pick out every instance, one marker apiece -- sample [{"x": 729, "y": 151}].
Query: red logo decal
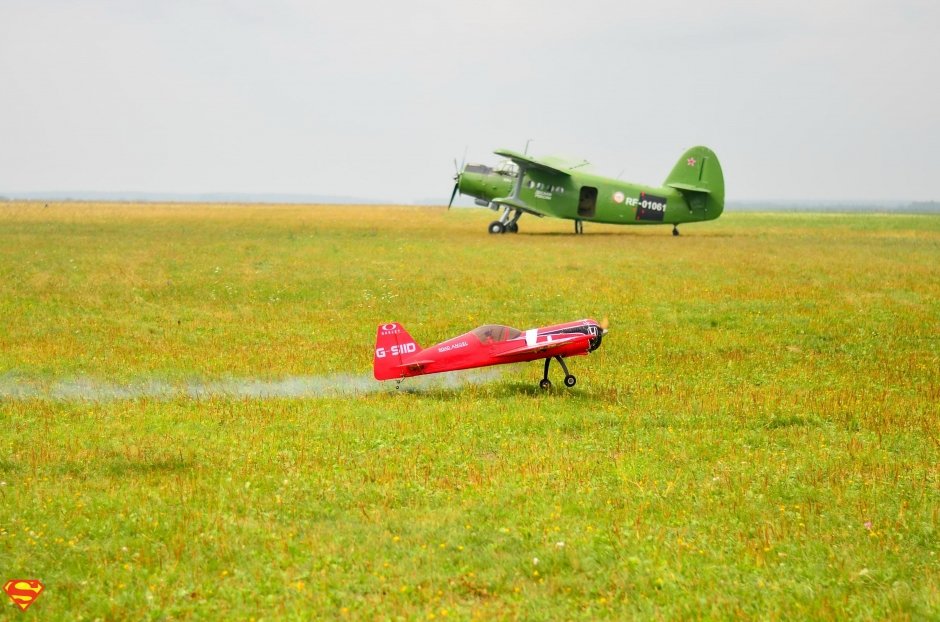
[
  {"x": 690, "y": 161},
  {"x": 23, "y": 592}
]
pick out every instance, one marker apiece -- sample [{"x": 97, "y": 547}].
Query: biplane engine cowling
[{"x": 483, "y": 183}]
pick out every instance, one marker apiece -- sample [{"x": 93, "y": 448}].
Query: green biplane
[{"x": 694, "y": 191}]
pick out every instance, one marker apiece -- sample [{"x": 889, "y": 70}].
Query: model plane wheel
[
  {"x": 675, "y": 230},
  {"x": 570, "y": 380},
  {"x": 512, "y": 228},
  {"x": 497, "y": 227},
  {"x": 545, "y": 384}
]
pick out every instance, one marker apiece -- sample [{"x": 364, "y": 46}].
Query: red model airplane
[{"x": 397, "y": 356}]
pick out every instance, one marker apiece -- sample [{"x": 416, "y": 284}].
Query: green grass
[{"x": 758, "y": 437}]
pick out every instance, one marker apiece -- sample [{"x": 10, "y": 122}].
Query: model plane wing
[
  {"x": 538, "y": 347},
  {"x": 525, "y": 161}
]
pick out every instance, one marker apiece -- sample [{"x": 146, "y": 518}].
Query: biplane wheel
[
  {"x": 675, "y": 230},
  {"x": 512, "y": 227},
  {"x": 545, "y": 384},
  {"x": 497, "y": 227},
  {"x": 570, "y": 381}
]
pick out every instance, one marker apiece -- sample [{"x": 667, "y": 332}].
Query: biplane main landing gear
[
  {"x": 546, "y": 384},
  {"x": 508, "y": 221}
]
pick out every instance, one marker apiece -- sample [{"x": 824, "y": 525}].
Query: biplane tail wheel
[
  {"x": 497, "y": 227},
  {"x": 570, "y": 381},
  {"x": 512, "y": 227},
  {"x": 545, "y": 384},
  {"x": 675, "y": 230}
]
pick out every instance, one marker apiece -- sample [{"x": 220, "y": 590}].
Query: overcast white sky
[{"x": 800, "y": 99}]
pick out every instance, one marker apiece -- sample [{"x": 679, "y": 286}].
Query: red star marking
[{"x": 690, "y": 161}]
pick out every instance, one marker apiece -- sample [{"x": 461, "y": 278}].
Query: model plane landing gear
[
  {"x": 546, "y": 384},
  {"x": 497, "y": 227},
  {"x": 512, "y": 227},
  {"x": 675, "y": 230},
  {"x": 578, "y": 227}
]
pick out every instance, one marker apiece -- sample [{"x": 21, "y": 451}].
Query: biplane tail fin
[
  {"x": 391, "y": 342},
  {"x": 697, "y": 175}
]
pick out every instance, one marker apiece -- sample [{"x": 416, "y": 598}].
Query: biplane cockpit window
[
  {"x": 494, "y": 333},
  {"x": 507, "y": 168}
]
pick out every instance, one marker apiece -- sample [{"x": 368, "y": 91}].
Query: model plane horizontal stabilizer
[{"x": 414, "y": 365}]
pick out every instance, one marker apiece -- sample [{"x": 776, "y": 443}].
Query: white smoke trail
[{"x": 14, "y": 387}]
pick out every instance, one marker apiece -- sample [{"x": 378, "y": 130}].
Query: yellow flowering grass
[{"x": 757, "y": 437}]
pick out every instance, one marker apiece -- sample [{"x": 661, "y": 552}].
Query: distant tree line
[{"x": 913, "y": 207}]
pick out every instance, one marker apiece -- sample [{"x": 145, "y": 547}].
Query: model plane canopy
[{"x": 495, "y": 333}]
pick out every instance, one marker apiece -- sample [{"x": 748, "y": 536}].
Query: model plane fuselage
[{"x": 398, "y": 356}]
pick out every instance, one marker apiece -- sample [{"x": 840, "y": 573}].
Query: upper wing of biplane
[
  {"x": 552, "y": 166},
  {"x": 524, "y": 161}
]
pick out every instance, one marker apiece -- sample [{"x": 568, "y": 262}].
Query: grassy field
[{"x": 758, "y": 437}]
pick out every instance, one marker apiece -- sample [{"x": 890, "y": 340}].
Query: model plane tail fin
[
  {"x": 697, "y": 175},
  {"x": 391, "y": 342}
]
